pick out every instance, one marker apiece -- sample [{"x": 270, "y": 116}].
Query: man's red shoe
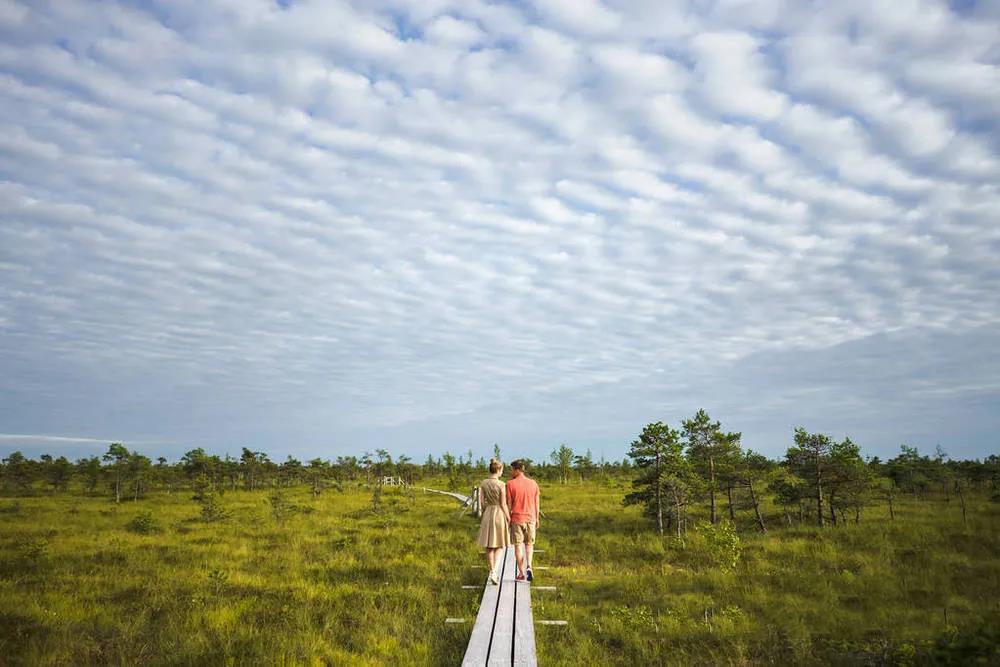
[{"x": 519, "y": 577}]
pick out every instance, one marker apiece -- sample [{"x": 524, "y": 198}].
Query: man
[{"x": 522, "y": 499}]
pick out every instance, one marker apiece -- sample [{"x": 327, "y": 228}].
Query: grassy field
[{"x": 83, "y": 582}]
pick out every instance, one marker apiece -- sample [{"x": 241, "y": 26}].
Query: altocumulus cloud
[{"x": 321, "y": 226}]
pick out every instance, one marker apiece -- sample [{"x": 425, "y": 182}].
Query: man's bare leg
[
  {"x": 519, "y": 555},
  {"x": 530, "y": 550}
]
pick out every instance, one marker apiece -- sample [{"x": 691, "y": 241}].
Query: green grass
[{"x": 82, "y": 581}]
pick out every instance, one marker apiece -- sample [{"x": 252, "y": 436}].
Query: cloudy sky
[{"x": 319, "y": 227}]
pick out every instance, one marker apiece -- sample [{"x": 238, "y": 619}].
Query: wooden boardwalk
[
  {"x": 504, "y": 633},
  {"x": 457, "y": 496}
]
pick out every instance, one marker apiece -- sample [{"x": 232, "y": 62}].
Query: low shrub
[{"x": 143, "y": 523}]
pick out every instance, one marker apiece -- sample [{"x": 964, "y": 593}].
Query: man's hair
[{"x": 517, "y": 464}]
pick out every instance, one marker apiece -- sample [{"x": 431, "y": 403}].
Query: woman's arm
[{"x": 503, "y": 504}]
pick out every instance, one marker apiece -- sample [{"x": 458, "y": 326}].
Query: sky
[{"x": 320, "y": 228}]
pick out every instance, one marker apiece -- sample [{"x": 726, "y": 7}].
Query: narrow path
[
  {"x": 457, "y": 496},
  {"x": 504, "y": 633}
]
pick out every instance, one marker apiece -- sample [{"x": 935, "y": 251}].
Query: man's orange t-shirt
[{"x": 522, "y": 499}]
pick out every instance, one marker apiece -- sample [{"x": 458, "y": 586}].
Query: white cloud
[
  {"x": 584, "y": 16},
  {"x": 641, "y": 71},
  {"x": 734, "y": 76},
  {"x": 454, "y": 32}
]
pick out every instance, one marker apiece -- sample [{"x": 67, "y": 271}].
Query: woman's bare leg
[{"x": 491, "y": 558}]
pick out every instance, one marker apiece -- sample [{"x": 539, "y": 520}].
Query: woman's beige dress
[{"x": 493, "y": 530}]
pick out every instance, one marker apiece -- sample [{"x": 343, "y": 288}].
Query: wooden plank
[
  {"x": 501, "y": 646},
  {"x": 524, "y": 627},
  {"x": 504, "y": 632},
  {"x": 478, "y": 650},
  {"x": 553, "y": 622}
]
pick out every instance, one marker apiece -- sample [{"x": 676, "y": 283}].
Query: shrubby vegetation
[{"x": 692, "y": 550}]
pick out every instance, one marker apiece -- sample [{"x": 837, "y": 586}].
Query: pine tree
[
  {"x": 810, "y": 460},
  {"x": 665, "y": 475},
  {"x": 713, "y": 453}
]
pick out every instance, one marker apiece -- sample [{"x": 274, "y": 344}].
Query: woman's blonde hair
[{"x": 495, "y": 466}]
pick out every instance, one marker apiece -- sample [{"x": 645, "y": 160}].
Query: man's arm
[{"x": 538, "y": 505}]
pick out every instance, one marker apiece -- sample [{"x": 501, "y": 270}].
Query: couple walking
[{"x": 510, "y": 513}]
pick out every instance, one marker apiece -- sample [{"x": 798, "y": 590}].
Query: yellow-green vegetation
[
  {"x": 353, "y": 577},
  {"x": 914, "y": 590}
]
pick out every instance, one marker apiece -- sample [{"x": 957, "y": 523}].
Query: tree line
[{"x": 819, "y": 480}]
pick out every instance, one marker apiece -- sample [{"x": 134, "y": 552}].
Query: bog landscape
[
  {"x": 282, "y": 280},
  {"x": 691, "y": 550}
]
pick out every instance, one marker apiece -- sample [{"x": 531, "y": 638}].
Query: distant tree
[
  {"x": 909, "y": 470},
  {"x": 117, "y": 456},
  {"x": 164, "y": 474},
  {"x": 730, "y": 458},
  {"x": 885, "y": 488},
  {"x": 44, "y": 467},
  {"x": 450, "y": 469},
  {"x": 347, "y": 468},
  {"x": 789, "y": 491},
  {"x": 847, "y": 479},
  {"x": 991, "y": 472},
  {"x": 584, "y": 465},
  {"x": 252, "y": 464},
  {"x": 90, "y": 470},
  {"x": 405, "y": 468},
  {"x": 959, "y": 489},
  {"x": 712, "y": 452},
  {"x": 562, "y": 459},
  {"x": 58, "y": 472},
  {"x": 810, "y": 460},
  {"x": 383, "y": 465},
  {"x": 17, "y": 473},
  {"x": 751, "y": 472},
  {"x": 268, "y": 469},
  {"x": 231, "y": 471},
  {"x": 665, "y": 475},
  {"x": 941, "y": 473},
  {"x": 208, "y": 470},
  {"x": 496, "y": 451},
  {"x": 290, "y": 472},
  {"x": 367, "y": 463},
  {"x": 851, "y": 481},
  {"x": 317, "y": 473},
  {"x": 138, "y": 469}
]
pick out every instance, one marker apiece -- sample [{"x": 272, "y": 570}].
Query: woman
[{"x": 494, "y": 533}]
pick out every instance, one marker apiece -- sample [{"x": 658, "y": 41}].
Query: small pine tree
[{"x": 281, "y": 507}]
